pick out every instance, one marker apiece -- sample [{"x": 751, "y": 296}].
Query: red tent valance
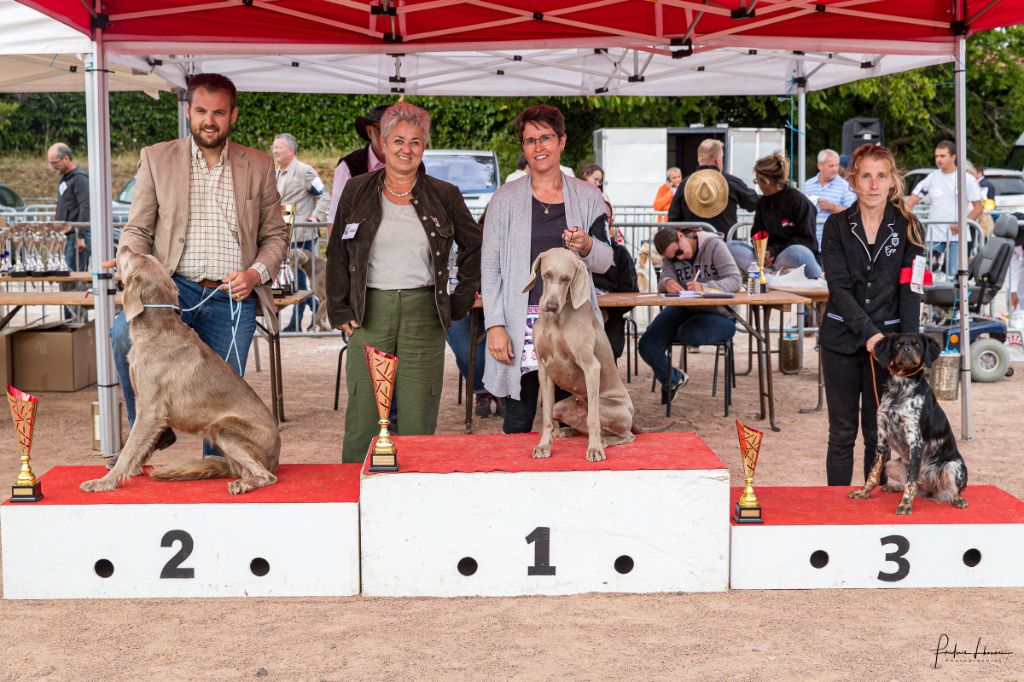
[{"x": 417, "y": 25}]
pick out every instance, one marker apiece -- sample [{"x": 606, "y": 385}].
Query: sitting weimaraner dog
[
  {"x": 573, "y": 352},
  {"x": 181, "y": 382}
]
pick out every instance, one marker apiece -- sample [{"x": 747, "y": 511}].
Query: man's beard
[{"x": 217, "y": 142}]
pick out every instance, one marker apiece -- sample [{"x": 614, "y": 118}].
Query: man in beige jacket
[{"x": 209, "y": 210}]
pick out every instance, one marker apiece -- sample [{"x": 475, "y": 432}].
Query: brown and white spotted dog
[{"x": 913, "y": 427}]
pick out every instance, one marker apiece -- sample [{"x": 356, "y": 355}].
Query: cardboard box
[
  {"x": 59, "y": 357},
  {"x": 6, "y": 373}
]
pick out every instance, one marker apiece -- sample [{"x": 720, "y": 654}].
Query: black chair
[
  {"x": 987, "y": 270},
  {"x": 723, "y": 349},
  {"x": 337, "y": 377}
]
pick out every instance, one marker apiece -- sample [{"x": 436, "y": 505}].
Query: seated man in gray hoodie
[{"x": 693, "y": 260}]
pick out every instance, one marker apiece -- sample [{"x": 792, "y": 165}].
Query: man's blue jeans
[
  {"x": 302, "y": 282},
  {"x": 686, "y": 325},
  {"x": 792, "y": 256},
  {"x": 458, "y": 340},
  {"x": 212, "y": 322},
  {"x": 77, "y": 261}
]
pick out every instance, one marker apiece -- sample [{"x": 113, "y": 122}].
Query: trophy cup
[
  {"x": 5, "y": 246},
  {"x": 760, "y": 241},
  {"x": 285, "y": 280},
  {"x": 19, "y": 250},
  {"x": 58, "y": 241},
  {"x": 23, "y": 408},
  {"x": 747, "y": 509},
  {"x": 383, "y": 454}
]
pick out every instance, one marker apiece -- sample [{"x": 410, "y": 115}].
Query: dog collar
[
  {"x": 900, "y": 374},
  {"x": 173, "y": 307}
]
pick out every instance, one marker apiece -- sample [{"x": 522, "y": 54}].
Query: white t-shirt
[{"x": 939, "y": 190}]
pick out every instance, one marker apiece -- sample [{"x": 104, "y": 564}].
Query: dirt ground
[{"x": 736, "y": 635}]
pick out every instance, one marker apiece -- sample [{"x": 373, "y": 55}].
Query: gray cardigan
[{"x": 505, "y": 265}]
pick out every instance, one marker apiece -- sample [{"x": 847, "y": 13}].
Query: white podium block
[
  {"x": 816, "y": 537},
  {"x": 298, "y": 537},
  {"x": 477, "y": 515}
]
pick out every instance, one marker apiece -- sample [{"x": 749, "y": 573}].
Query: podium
[
  {"x": 816, "y": 537},
  {"x": 298, "y": 537},
  {"x": 477, "y": 515}
]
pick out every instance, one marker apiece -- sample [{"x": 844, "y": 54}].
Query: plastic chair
[{"x": 723, "y": 349}]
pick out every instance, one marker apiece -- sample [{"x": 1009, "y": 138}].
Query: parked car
[
  {"x": 123, "y": 202},
  {"x": 10, "y": 200},
  {"x": 475, "y": 173}
]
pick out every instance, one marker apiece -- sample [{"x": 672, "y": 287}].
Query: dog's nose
[{"x": 552, "y": 306}]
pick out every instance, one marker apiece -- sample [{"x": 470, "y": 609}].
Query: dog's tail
[{"x": 208, "y": 467}]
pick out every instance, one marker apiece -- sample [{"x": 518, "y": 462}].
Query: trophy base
[
  {"x": 19, "y": 273},
  {"x": 27, "y": 493},
  {"x": 747, "y": 514},
  {"x": 383, "y": 462},
  {"x": 61, "y": 273}
]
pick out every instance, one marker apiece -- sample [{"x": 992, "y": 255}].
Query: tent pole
[
  {"x": 182, "y": 120},
  {"x": 801, "y": 136},
  {"x": 960, "y": 93},
  {"x": 97, "y": 111}
]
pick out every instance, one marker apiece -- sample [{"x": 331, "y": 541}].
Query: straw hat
[{"x": 706, "y": 193}]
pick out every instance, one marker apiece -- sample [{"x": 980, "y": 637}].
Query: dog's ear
[
  {"x": 533, "y": 273},
  {"x": 132, "y": 302},
  {"x": 932, "y": 349},
  {"x": 883, "y": 349},
  {"x": 579, "y": 288}
]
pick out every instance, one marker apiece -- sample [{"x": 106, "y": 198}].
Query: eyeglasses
[{"x": 543, "y": 139}]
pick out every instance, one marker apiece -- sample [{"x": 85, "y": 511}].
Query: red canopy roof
[{"x": 416, "y": 25}]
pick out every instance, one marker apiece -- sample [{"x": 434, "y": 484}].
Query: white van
[{"x": 475, "y": 173}]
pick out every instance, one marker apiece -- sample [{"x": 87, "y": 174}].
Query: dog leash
[
  {"x": 234, "y": 306},
  {"x": 874, "y": 379}
]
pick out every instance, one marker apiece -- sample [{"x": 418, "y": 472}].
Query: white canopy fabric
[
  {"x": 526, "y": 73},
  {"x": 39, "y": 54}
]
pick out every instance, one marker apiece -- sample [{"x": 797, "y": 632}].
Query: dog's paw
[
  {"x": 595, "y": 453},
  {"x": 99, "y": 485},
  {"x": 892, "y": 488},
  {"x": 238, "y": 487},
  {"x": 959, "y": 503},
  {"x": 859, "y": 494},
  {"x": 905, "y": 508},
  {"x": 542, "y": 452}
]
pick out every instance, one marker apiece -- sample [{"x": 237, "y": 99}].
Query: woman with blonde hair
[
  {"x": 788, "y": 217},
  {"x": 869, "y": 252},
  {"x": 387, "y": 277}
]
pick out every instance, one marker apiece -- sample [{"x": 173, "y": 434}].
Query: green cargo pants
[{"x": 404, "y": 323}]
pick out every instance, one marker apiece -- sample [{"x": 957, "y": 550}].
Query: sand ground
[{"x": 736, "y": 635}]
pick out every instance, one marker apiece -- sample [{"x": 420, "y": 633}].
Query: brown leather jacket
[{"x": 444, "y": 217}]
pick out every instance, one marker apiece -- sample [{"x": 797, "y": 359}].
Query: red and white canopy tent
[{"x": 673, "y": 29}]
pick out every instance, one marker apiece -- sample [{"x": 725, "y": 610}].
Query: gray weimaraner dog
[
  {"x": 573, "y": 352},
  {"x": 180, "y": 382}
]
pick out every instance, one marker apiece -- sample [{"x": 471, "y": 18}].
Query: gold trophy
[
  {"x": 747, "y": 509},
  {"x": 284, "y": 282},
  {"x": 760, "y": 241},
  {"x": 383, "y": 366},
  {"x": 23, "y": 409}
]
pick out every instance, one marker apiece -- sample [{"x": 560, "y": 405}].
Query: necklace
[
  {"x": 398, "y": 195},
  {"x": 546, "y": 206}
]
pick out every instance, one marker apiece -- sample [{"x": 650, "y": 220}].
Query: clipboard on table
[{"x": 715, "y": 293}]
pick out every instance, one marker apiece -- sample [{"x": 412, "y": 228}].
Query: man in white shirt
[
  {"x": 828, "y": 191},
  {"x": 939, "y": 188}
]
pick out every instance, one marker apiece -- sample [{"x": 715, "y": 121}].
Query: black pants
[
  {"x": 615, "y": 328},
  {"x": 849, "y": 392},
  {"x": 519, "y": 414}
]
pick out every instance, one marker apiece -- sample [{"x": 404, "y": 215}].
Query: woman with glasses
[
  {"x": 543, "y": 210},
  {"x": 387, "y": 277}
]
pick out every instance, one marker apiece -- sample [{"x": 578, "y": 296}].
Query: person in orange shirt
[{"x": 663, "y": 199}]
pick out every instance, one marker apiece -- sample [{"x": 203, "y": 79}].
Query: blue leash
[{"x": 236, "y": 317}]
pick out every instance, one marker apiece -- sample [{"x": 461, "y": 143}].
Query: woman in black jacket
[
  {"x": 387, "y": 277},
  {"x": 869, "y": 251}
]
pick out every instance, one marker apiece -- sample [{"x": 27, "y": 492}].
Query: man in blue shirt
[{"x": 827, "y": 190}]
